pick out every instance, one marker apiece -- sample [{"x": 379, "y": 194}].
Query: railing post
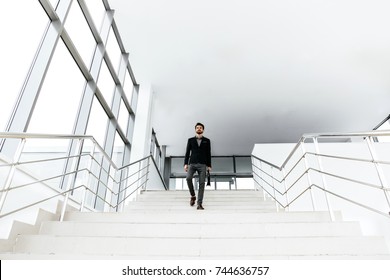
[
  {"x": 139, "y": 174},
  {"x": 83, "y": 198},
  {"x": 324, "y": 182},
  {"x": 139, "y": 177},
  {"x": 7, "y": 185},
  {"x": 147, "y": 173},
  {"x": 261, "y": 181},
  {"x": 273, "y": 186},
  {"x": 253, "y": 162},
  {"x": 123, "y": 173},
  {"x": 308, "y": 175},
  {"x": 285, "y": 189},
  {"x": 122, "y": 192},
  {"x": 67, "y": 189},
  {"x": 87, "y": 178},
  {"x": 379, "y": 170},
  {"x": 255, "y": 175}
]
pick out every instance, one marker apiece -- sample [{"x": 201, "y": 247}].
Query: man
[{"x": 197, "y": 159}]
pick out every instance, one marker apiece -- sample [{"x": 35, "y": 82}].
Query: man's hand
[
  {"x": 208, "y": 168},
  {"x": 186, "y": 167}
]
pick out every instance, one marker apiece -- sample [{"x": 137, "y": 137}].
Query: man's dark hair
[{"x": 201, "y": 124}]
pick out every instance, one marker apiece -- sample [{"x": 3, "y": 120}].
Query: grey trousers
[{"x": 201, "y": 169}]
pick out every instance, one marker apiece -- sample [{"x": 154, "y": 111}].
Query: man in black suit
[{"x": 197, "y": 159}]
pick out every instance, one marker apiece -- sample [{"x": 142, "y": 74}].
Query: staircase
[{"x": 234, "y": 225}]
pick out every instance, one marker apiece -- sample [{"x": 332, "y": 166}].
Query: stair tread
[
  {"x": 62, "y": 256},
  {"x": 202, "y": 246},
  {"x": 235, "y": 225},
  {"x": 232, "y": 229}
]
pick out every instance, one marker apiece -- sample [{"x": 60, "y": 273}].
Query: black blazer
[{"x": 198, "y": 154}]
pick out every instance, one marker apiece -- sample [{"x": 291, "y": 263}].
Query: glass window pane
[
  {"x": 119, "y": 148},
  {"x": 177, "y": 165},
  {"x": 384, "y": 126},
  {"x": 97, "y": 123},
  {"x": 97, "y": 10},
  {"x": 17, "y": 49},
  {"x": 60, "y": 96},
  {"x": 134, "y": 100},
  {"x": 123, "y": 116},
  {"x": 243, "y": 165},
  {"x": 54, "y": 3},
  {"x": 79, "y": 32},
  {"x": 222, "y": 165},
  {"x": 106, "y": 84},
  {"x": 113, "y": 50},
  {"x": 128, "y": 87},
  {"x": 131, "y": 127}
]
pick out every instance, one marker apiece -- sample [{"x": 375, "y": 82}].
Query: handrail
[
  {"x": 159, "y": 174},
  {"x": 329, "y": 135},
  {"x": 263, "y": 181},
  {"x": 19, "y": 135},
  {"x": 382, "y": 122},
  {"x": 40, "y": 201},
  {"x": 129, "y": 183},
  {"x": 155, "y": 165}
]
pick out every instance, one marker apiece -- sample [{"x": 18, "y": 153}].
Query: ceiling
[{"x": 258, "y": 71}]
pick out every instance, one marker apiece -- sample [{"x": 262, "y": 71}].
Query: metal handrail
[
  {"x": 159, "y": 174},
  {"x": 328, "y": 135},
  {"x": 315, "y": 136},
  {"x": 155, "y": 165},
  {"x": 42, "y": 180},
  {"x": 348, "y": 158},
  {"x": 40, "y": 201},
  {"x": 142, "y": 171},
  {"x": 19, "y": 135},
  {"x": 57, "y": 176},
  {"x": 327, "y": 191}
]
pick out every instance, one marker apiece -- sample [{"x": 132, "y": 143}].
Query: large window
[
  {"x": 64, "y": 71},
  {"x": 17, "y": 49},
  {"x": 106, "y": 84},
  {"x": 119, "y": 149},
  {"x": 129, "y": 91},
  {"x": 123, "y": 117},
  {"x": 228, "y": 173},
  {"x": 80, "y": 33},
  {"x": 97, "y": 11},
  {"x": 60, "y": 96},
  {"x": 113, "y": 50},
  {"x": 97, "y": 124}
]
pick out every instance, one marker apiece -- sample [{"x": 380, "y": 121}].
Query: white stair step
[
  {"x": 186, "y": 199},
  {"x": 198, "y": 216},
  {"x": 42, "y": 244},
  {"x": 235, "y": 225},
  {"x": 205, "y": 202},
  {"x": 208, "y": 207},
  {"x": 160, "y": 200},
  {"x": 209, "y": 194},
  {"x": 200, "y": 230},
  {"x": 79, "y": 256},
  {"x": 213, "y": 192}
]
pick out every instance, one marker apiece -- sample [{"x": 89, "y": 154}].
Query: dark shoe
[
  {"x": 192, "y": 201},
  {"x": 200, "y": 207}
]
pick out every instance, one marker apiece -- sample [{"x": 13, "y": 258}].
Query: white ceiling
[{"x": 259, "y": 71}]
